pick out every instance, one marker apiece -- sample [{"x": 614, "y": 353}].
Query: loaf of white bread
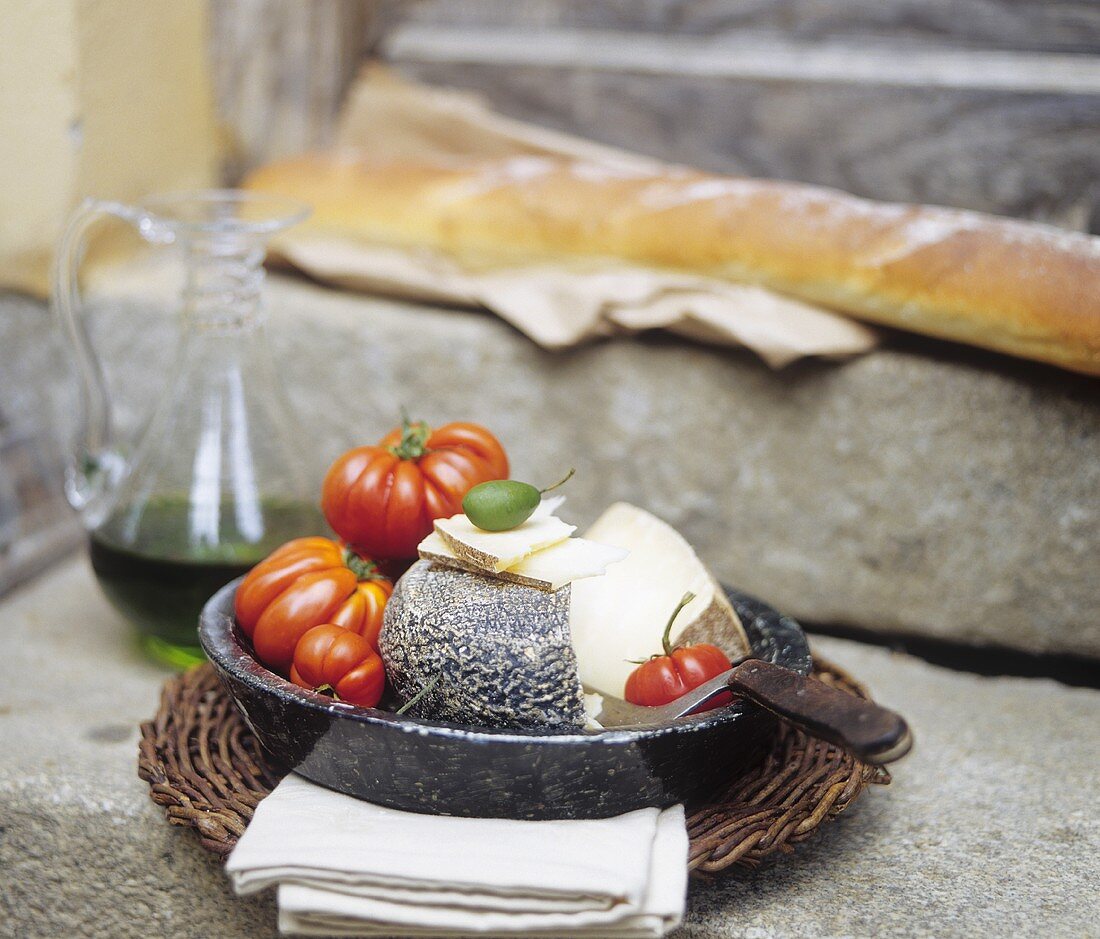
[{"x": 1021, "y": 288}]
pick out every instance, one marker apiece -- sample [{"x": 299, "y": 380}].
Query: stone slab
[
  {"x": 1024, "y": 152},
  {"x": 990, "y": 827},
  {"x": 1061, "y": 25},
  {"x": 918, "y": 489}
]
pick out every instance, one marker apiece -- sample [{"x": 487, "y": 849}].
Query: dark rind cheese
[{"x": 503, "y": 651}]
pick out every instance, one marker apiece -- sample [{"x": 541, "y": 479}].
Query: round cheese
[{"x": 502, "y": 651}]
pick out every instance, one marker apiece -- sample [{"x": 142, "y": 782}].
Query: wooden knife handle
[{"x": 871, "y": 733}]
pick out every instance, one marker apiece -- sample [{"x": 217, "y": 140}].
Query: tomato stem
[
  {"x": 414, "y": 439},
  {"x": 665, "y": 639},
  {"x": 361, "y": 567},
  {"x": 561, "y": 482}
]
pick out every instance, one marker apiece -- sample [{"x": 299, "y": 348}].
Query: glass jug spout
[{"x": 223, "y": 235}]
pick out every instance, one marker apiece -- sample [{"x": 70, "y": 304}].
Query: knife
[{"x": 871, "y": 733}]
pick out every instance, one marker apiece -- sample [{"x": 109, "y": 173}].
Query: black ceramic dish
[{"x": 451, "y": 769}]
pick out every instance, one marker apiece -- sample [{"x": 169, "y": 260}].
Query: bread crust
[{"x": 1016, "y": 287}]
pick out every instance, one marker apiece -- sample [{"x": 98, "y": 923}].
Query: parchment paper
[{"x": 389, "y": 119}]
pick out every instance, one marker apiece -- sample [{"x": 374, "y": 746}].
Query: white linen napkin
[{"x": 349, "y": 868}]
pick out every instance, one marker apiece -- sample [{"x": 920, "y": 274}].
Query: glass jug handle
[{"x": 96, "y": 466}]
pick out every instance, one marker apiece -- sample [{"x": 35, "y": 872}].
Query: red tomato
[
  {"x": 306, "y": 582},
  {"x": 330, "y": 656},
  {"x": 664, "y": 678},
  {"x": 383, "y": 499}
]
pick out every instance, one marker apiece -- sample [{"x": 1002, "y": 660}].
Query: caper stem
[
  {"x": 665, "y": 639},
  {"x": 561, "y": 482},
  {"x": 415, "y": 699}
]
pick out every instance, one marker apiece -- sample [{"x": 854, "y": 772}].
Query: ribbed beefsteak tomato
[
  {"x": 302, "y": 584},
  {"x": 329, "y": 656},
  {"x": 383, "y": 499}
]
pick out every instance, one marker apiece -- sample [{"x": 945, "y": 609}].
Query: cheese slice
[
  {"x": 620, "y": 617},
  {"x": 549, "y": 569},
  {"x": 548, "y": 506},
  {"x": 593, "y": 708},
  {"x": 496, "y": 551}
]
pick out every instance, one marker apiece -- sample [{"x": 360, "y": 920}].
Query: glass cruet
[{"x": 213, "y": 484}]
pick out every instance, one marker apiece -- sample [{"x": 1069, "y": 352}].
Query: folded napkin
[{"x": 349, "y": 868}]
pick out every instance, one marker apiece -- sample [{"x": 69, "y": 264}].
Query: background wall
[{"x": 985, "y": 104}]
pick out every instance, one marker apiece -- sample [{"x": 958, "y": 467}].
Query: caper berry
[{"x": 503, "y": 504}]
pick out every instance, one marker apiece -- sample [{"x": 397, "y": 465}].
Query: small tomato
[
  {"x": 304, "y": 583},
  {"x": 329, "y": 656},
  {"x": 664, "y": 678},
  {"x": 383, "y": 499}
]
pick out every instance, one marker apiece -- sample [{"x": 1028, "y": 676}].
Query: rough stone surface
[
  {"x": 913, "y": 490},
  {"x": 83, "y": 850},
  {"x": 990, "y": 827}
]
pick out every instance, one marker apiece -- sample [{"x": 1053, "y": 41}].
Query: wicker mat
[{"x": 204, "y": 766}]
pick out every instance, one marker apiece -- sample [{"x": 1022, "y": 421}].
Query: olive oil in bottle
[{"x": 161, "y": 589}]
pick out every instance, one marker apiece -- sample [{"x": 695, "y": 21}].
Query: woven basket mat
[{"x": 207, "y": 770}]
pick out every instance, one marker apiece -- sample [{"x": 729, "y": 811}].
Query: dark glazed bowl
[{"x": 452, "y": 769}]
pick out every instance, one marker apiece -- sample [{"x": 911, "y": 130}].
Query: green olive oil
[{"x": 162, "y": 589}]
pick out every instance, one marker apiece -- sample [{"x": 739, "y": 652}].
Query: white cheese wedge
[
  {"x": 621, "y": 616},
  {"x": 497, "y": 551},
  {"x": 549, "y": 569}
]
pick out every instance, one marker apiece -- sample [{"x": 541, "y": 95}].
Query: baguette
[{"x": 1021, "y": 288}]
